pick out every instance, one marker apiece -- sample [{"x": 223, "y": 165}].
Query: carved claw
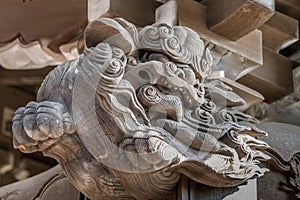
[
  {"x": 149, "y": 150},
  {"x": 39, "y": 125}
]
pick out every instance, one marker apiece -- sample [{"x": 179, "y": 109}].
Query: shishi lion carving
[{"x": 133, "y": 113}]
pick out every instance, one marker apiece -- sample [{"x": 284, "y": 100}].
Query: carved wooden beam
[
  {"x": 236, "y": 18},
  {"x": 274, "y": 79},
  {"x": 280, "y": 31}
]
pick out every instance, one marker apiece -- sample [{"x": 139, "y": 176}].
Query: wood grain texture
[
  {"x": 194, "y": 15},
  {"x": 235, "y": 19},
  {"x": 274, "y": 79},
  {"x": 276, "y": 36}
]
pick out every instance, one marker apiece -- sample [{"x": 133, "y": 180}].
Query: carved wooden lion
[{"x": 136, "y": 111}]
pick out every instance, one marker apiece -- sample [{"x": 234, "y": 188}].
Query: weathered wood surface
[
  {"x": 237, "y": 18},
  {"x": 249, "y": 95},
  {"x": 194, "y": 15},
  {"x": 242, "y": 56},
  {"x": 292, "y": 9},
  {"x": 131, "y": 10},
  {"x": 274, "y": 79},
  {"x": 97, "y": 8},
  {"x": 279, "y": 32},
  {"x": 284, "y": 110}
]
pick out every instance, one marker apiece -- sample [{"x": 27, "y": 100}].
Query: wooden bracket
[{"x": 236, "y": 18}]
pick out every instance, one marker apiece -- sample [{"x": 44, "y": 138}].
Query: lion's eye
[
  {"x": 159, "y": 57},
  {"x": 150, "y": 56},
  {"x": 132, "y": 61},
  {"x": 171, "y": 68}
]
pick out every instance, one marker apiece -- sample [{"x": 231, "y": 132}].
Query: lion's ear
[
  {"x": 115, "y": 31},
  {"x": 97, "y": 31}
]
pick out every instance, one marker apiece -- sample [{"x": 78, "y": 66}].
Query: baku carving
[{"x": 136, "y": 111}]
